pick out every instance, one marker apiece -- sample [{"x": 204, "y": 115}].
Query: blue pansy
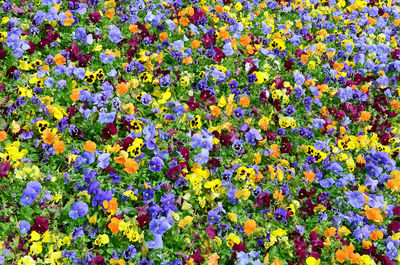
[
  {"x": 78, "y": 210},
  {"x": 24, "y": 227}
]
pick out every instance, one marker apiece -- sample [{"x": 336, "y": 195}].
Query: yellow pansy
[
  {"x": 66, "y": 241},
  {"x": 56, "y": 198},
  {"x": 243, "y": 194},
  {"x": 135, "y": 147},
  {"x": 196, "y": 122},
  {"x": 4, "y": 20},
  {"x": 35, "y": 236},
  {"x": 232, "y": 217},
  {"x": 46, "y": 237},
  {"x": 130, "y": 195},
  {"x": 213, "y": 185},
  {"x": 26, "y": 260},
  {"x": 238, "y": 6},
  {"x": 97, "y": 48},
  {"x": 102, "y": 239},
  {"x": 343, "y": 231},
  {"x": 222, "y": 102},
  {"x": 13, "y": 151},
  {"x": 232, "y": 239},
  {"x": 366, "y": 260},
  {"x": 54, "y": 256},
  {"x": 93, "y": 219},
  {"x": 313, "y": 261},
  {"x": 164, "y": 97},
  {"x": 279, "y": 232},
  {"x": 36, "y": 248},
  {"x": 185, "y": 221}
]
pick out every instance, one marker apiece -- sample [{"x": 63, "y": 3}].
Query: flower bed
[{"x": 199, "y": 132}]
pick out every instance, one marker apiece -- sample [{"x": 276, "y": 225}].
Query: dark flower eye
[{"x": 309, "y": 151}]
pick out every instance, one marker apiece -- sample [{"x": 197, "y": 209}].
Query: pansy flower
[
  {"x": 24, "y": 227},
  {"x": 159, "y": 226},
  {"x": 78, "y": 210},
  {"x": 105, "y": 118},
  {"x": 156, "y": 164}
]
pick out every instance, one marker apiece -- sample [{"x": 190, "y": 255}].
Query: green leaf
[{"x": 27, "y": 212}]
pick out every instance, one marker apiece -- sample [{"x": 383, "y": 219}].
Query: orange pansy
[
  {"x": 3, "y": 136},
  {"x": 195, "y": 44},
  {"x": 133, "y": 28},
  {"x": 374, "y": 214},
  {"x": 309, "y": 175},
  {"x": 48, "y": 136},
  {"x": 114, "y": 224},
  {"x": 250, "y": 226},
  {"x": 376, "y": 235},
  {"x": 110, "y": 13},
  {"x": 89, "y": 146},
  {"x": 59, "y": 146},
  {"x": 213, "y": 259},
  {"x": 365, "y": 115},
  {"x": 75, "y": 94},
  {"x": 163, "y": 36},
  {"x": 244, "y": 102},
  {"x": 245, "y": 40},
  {"x": 122, "y": 88},
  {"x": 131, "y": 166},
  {"x": 59, "y": 59}
]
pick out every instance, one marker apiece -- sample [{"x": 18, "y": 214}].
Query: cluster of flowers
[{"x": 200, "y": 132}]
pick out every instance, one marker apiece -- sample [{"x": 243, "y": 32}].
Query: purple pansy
[
  {"x": 78, "y": 210},
  {"x": 156, "y": 164}
]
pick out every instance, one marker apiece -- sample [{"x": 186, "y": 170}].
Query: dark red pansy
[
  {"x": 3, "y": 53},
  {"x": 109, "y": 130},
  {"x": 208, "y": 40},
  {"x": 94, "y": 17},
  {"x": 396, "y": 54},
  {"x": 192, "y": 104},
  {"x": 288, "y": 65},
  {"x": 210, "y": 230},
  {"x": 393, "y": 226},
  {"x": 99, "y": 260},
  {"x": 185, "y": 153},
  {"x": 205, "y": 95},
  {"x": 41, "y": 224},
  {"x": 396, "y": 210},
  {"x": 197, "y": 258},
  {"x": 10, "y": 71},
  {"x": 5, "y": 166},
  {"x": 143, "y": 220}
]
